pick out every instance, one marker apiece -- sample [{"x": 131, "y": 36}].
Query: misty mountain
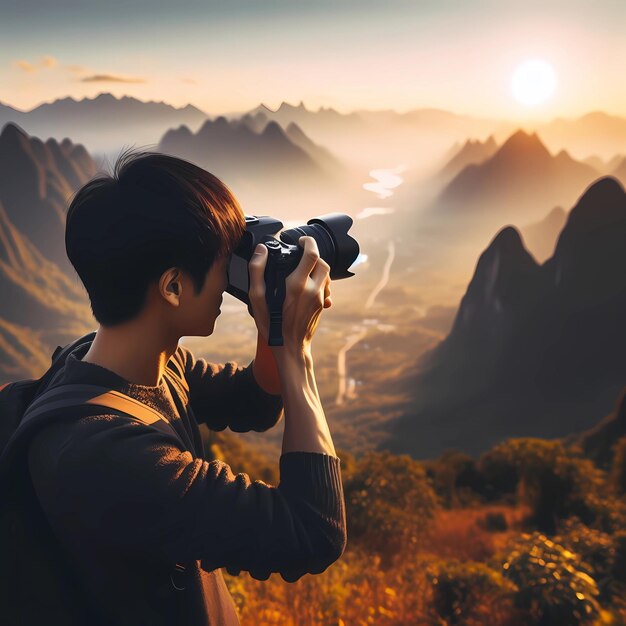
[
  {"x": 256, "y": 123},
  {"x": 620, "y": 171},
  {"x": 368, "y": 139},
  {"x": 472, "y": 152},
  {"x": 535, "y": 350},
  {"x": 313, "y": 122},
  {"x": 266, "y": 170},
  {"x": 541, "y": 237},
  {"x": 104, "y": 124},
  {"x": 521, "y": 179},
  {"x": 604, "y": 167},
  {"x": 322, "y": 156},
  {"x": 593, "y": 133},
  {"x": 37, "y": 180}
]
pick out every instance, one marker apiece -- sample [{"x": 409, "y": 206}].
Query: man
[{"x": 128, "y": 501}]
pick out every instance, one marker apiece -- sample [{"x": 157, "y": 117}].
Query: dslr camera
[{"x": 336, "y": 247}]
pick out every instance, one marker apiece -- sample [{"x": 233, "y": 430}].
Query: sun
[{"x": 533, "y": 82}]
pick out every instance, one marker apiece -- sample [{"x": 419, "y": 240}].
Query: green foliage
[
  {"x": 389, "y": 502},
  {"x": 554, "y": 584},
  {"x": 463, "y": 590}
]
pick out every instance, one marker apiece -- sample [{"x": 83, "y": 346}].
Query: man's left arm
[{"x": 228, "y": 395}]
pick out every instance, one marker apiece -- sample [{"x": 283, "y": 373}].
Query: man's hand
[{"x": 308, "y": 292}]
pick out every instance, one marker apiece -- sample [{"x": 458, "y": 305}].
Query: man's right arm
[{"x": 119, "y": 483}]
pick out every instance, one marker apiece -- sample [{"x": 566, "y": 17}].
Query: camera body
[
  {"x": 336, "y": 247},
  {"x": 330, "y": 231}
]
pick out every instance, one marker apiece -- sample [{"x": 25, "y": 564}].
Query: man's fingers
[
  {"x": 320, "y": 273},
  {"x": 309, "y": 258}
]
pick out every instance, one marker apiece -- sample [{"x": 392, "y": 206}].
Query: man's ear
[{"x": 171, "y": 285}]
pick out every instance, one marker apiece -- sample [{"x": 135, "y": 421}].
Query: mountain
[
  {"x": 520, "y": 179},
  {"x": 36, "y": 182},
  {"x": 104, "y": 124},
  {"x": 535, "y": 350},
  {"x": 41, "y": 306},
  {"x": 312, "y": 121},
  {"x": 541, "y": 237},
  {"x": 43, "y": 302},
  {"x": 367, "y": 139},
  {"x": 322, "y": 156},
  {"x": 472, "y": 152},
  {"x": 266, "y": 170},
  {"x": 593, "y": 133},
  {"x": 256, "y": 123}
]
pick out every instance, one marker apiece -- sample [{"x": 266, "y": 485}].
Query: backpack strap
[{"x": 63, "y": 396}]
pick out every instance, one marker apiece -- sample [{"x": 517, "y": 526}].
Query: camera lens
[{"x": 330, "y": 232}]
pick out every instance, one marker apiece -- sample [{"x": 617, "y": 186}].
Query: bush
[
  {"x": 456, "y": 479},
  {"x": 469, "y": 591},
  {"x": 389, "y": 503},
  {"x": 554, "y": 484},
  {"x": 553, "y": 583},
  {"x": 595, "y": 548}
]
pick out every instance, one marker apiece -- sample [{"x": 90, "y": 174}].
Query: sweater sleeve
[
  {"x": 227, "y": 394},
  {"x": 129, "y": 485}
]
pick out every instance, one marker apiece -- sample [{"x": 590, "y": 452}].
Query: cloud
[
  {"x": 109, "y": 78},
  {"x": 25, "y": 66},
  {"x": 46, "y": 62}
]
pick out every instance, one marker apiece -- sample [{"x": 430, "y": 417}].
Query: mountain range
[
  {"x": 266, "y": 169},
  {"x": 522, "y": 178},
  {"x": 104, "y": 124},
  {"x": 43, "y": 302},
  {"x": 535, "y": 350}
]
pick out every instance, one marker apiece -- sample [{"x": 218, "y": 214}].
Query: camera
[{"x": 336, "y": 247}]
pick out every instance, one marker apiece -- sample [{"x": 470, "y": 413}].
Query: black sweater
[{"x": 127, "y": 500}]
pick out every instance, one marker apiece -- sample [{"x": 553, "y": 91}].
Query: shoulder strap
[{"x": 63, "y": 396}]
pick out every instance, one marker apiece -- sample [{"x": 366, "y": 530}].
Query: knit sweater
[{"x": 127, "y": 500}]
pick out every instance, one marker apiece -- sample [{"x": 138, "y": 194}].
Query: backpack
[{"x": 38, "y": 585}]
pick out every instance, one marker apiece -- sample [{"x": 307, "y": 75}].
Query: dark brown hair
[{"x": 155, "y": 212}]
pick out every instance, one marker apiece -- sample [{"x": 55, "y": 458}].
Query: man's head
[{"x": 156, "y": 234}]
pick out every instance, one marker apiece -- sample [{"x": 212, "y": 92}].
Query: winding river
[{"x": 385, "y": 180}]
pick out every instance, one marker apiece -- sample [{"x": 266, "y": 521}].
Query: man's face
[{"x": 204, "y": 307}]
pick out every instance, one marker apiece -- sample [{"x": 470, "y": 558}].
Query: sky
[{"x": 228, "y": 56}]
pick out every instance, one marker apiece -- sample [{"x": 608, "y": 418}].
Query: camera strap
[{"x": 275, "y": 291}]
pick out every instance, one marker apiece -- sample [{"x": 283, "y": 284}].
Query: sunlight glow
[{"x": 533, "y": 82}]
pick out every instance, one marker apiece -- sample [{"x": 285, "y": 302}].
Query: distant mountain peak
[
  {"x": 105, "y": 96},
  {"x": 294, "y": 129},
  {"x": 521, "y": 141},
  {"x": 273, "y": 129}
]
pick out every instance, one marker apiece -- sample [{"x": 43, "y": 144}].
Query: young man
[{"x": 128, "y": 501}]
